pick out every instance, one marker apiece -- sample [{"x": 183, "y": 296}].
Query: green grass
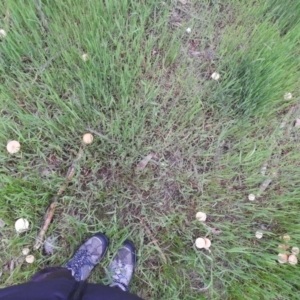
[{"x": 146, "y": 88}]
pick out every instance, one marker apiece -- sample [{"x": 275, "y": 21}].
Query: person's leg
[
  {"x": 122, "y": 266},
  {"x": 51, "y": 273},
  {"x": 79, "y": 267}
]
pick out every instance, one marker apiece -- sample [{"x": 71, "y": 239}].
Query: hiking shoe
[
  {"x": 122, "y": 267},
  {"x": 87, "y": 256}
]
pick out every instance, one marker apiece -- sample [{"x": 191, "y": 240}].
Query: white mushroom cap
[
  {"x": 251, "y": 197},
  {"x": 201, "y": 216},
  {"x": 85, "y": 56},
  {"x": 29, "y": 259},
  {"x": 283, "y": 247},
  {"x": 293, "y": 259},
  {"x": 259, "y": 234},
  {"x": 87, "y": 138},
  {"x": 282, "y": 258},
  {"x": 207, "y": 243},
  {"x": 25, "y": 251},
  {"x": 215, "y": 76},
  {"x": 3, "y": 33},
  {"x": 286, "y": 237},
  {"x": 288, "y": 96},
  {"x": 200, "y": 243},
  {"x": 13, "y": 146},
  {"x": 295, "y": 250},
  {"x": 188, "y": 30},
  {"x": 21, "y": 225}
]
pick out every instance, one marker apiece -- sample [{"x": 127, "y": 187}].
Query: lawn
[{"x": 132, "y": 74}]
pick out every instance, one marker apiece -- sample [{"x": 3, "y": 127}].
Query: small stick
[{"x": 51, "y": 209}]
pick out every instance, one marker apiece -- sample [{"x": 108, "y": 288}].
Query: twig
[
  {"x": 41, "y": 15},
  {"x": 51, "y": 209},
  {"x": 45, "y": 65}
]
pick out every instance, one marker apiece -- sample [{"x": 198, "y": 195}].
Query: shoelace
[{"x": 118, "y": 272}]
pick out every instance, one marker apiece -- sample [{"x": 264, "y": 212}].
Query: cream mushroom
[
  {"x": 200, "y": 243},
  {"x": 85, "y": 56},
  {"x": 282, "y": 258},
  {"x": 215, "y": 76},
  {"x": 251, "y": 197},
  {"x": 258, "y": 234},
  {"x": 13, "y": 147},
  {"x": 288, "y": 96},
  {"x": 3, "y": 33},
  {"x": 87, "y": 138},
  {"x": 207, "y": 243},
  {"x": 292, "y": 259},
  {"x": 286, "y": 237},
  {"x": 201, "y": 216},
  {"x": 283, "y": 247},
  {"x": 25, "y": 251},
  {"x": 295, "y": 250},
  {"x": 29, "y": 259},
  {"x": 21, "y": 225}
]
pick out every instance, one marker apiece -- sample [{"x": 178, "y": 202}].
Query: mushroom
[
  {"x": 188, "y": 30},
  {"x": 87, "y": 138},
  {"x": 207, "y": 243},
  {"x": 258, "y": 234},
  {"x": 282, "y": 258},
  {"x": 288, "y": 96},
  {"x": 200, "y": 243},
  {"x": 21, "y": 225},
  {"x": 85, "y": 56},
  {"x": 3, "y": 33},
  {"x": 29, "y": 259},
  {"x": 215, "y": 76},
  {"x": 25, "y": 251},
  {"x": 13, "y": 146},
  {"x": 201, "y": 216},
  {"x": 251, "y": 197},
  {"x": 283, "y": 247},
  {"x": 293, "y": 259},
  {"x": 295, "y": 250},
  {"x": 286, "y": 237}
]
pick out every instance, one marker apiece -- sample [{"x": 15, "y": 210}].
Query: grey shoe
[
  {"x": 122, "y": 267},
  {"x": 87, "y": 256}
]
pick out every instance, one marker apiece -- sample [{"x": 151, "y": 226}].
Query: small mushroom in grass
[
  {"x": 3, "y": 33},
  {"x": 295, "y": 250},
  {"x": 286, "y": 237},
  {"x": 292, "y": 259},
  {"x": 258, "y": 234},
  {"x": 21, "y": 225},
  {"x": 282, "y": 258},
  {"x": 200, "y": 243},
  {"x": 25, "y": 251},
  {"x": 283, "y": 247},
  {"x": 85, "y": 56},
  {"x": 288, "y": 96},
  {"x": 29, "y": 259},
  {"x": 215, "y": 76},
  {"x": 251, "y": 197},
  {"x": 188, "y": 30},
  {"x": 87, "y": 138},
  {"x": 13, "y": 147},
  {"x": 201, "y": 216},
  {"x": 207, "y": 243}
]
